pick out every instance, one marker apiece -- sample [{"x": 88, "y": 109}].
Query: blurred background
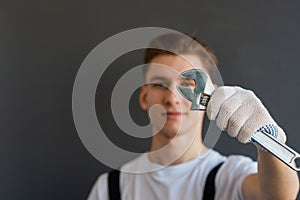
[{"x": 43, "y": 43}]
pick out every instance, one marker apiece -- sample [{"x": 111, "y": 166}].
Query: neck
[{"x": 176, "y": 150}]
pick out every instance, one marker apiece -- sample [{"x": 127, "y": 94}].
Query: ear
[{"x": 143, "y": 97}]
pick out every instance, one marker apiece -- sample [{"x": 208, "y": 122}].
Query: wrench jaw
[
  {"x": 189, "y": 94},
  {"x": 197, "y": 96}
]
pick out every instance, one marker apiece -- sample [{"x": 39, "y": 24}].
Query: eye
[
  {"x": 160, "y": 85},
  {"x": 188, "y": 83}
]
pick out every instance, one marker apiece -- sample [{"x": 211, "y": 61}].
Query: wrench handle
[{"x": 278, "y": 149}]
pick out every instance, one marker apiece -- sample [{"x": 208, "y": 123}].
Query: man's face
[{"x": 173, "y": 116}]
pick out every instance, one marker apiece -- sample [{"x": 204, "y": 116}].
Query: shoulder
[
  {"x": 239, "y": 165},
  {"x": 99, "y": 190},
  {"x": 212, "y": 158},
  {"x": 231, "y": 175}
]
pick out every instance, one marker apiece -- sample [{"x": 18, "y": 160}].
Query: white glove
[{"x": 241, "y": 113}]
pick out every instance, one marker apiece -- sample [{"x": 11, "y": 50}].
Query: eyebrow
[
  {"x": 158, "y": 78},
  {"x": 162, "y": 78}
]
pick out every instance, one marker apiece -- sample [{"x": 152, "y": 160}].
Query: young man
[{"x": 181, "y": 160}]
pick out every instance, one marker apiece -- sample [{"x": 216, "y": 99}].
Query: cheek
[
  {"x": 154, "y": 97},
  {"x": 186, "y": 105}
]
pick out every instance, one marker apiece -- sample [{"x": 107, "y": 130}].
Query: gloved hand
[{"x": 241, "y": 113}]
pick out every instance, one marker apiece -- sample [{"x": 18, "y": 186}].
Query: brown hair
[{"x": 177, "y": 44}]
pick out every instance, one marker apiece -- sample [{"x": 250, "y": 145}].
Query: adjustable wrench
[{"x": 200, "y": 95}]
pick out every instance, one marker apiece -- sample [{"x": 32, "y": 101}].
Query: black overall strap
[
  {"x": 114, "y": 185},
  {"x": 210, "y": 189}
]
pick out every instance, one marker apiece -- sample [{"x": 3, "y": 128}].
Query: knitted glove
[{"x": 241, "y": 113}]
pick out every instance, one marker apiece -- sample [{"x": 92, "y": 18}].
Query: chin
[{"x": 170, "y": 132}]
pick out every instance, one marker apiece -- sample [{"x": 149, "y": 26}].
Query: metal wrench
[{"x": 200, "y": 95}]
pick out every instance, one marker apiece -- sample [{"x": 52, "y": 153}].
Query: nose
[{"x": 171, "y": 97}]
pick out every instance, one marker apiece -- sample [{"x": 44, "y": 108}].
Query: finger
[
  {"x": 258, "y": 118},
  {"x": 229, "y": 107},
  {"x": 216, "y": 100},
  {"x": 238, "y": 119}
]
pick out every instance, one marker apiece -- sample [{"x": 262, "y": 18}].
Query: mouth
[{"x": 174, "y": 115}]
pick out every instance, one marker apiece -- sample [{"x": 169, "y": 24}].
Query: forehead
[{"x": 170, "y": 66}]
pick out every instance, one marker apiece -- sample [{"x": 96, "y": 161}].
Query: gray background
[{"x": 43, "y": 43}]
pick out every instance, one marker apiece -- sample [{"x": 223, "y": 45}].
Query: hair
[{"x": 178, "y": 44}]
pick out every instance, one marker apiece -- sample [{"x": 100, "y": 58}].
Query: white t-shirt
[{"x": 182, "y": 181}]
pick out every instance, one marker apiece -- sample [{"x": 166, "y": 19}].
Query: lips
[{"x": 174, "y": 115}]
